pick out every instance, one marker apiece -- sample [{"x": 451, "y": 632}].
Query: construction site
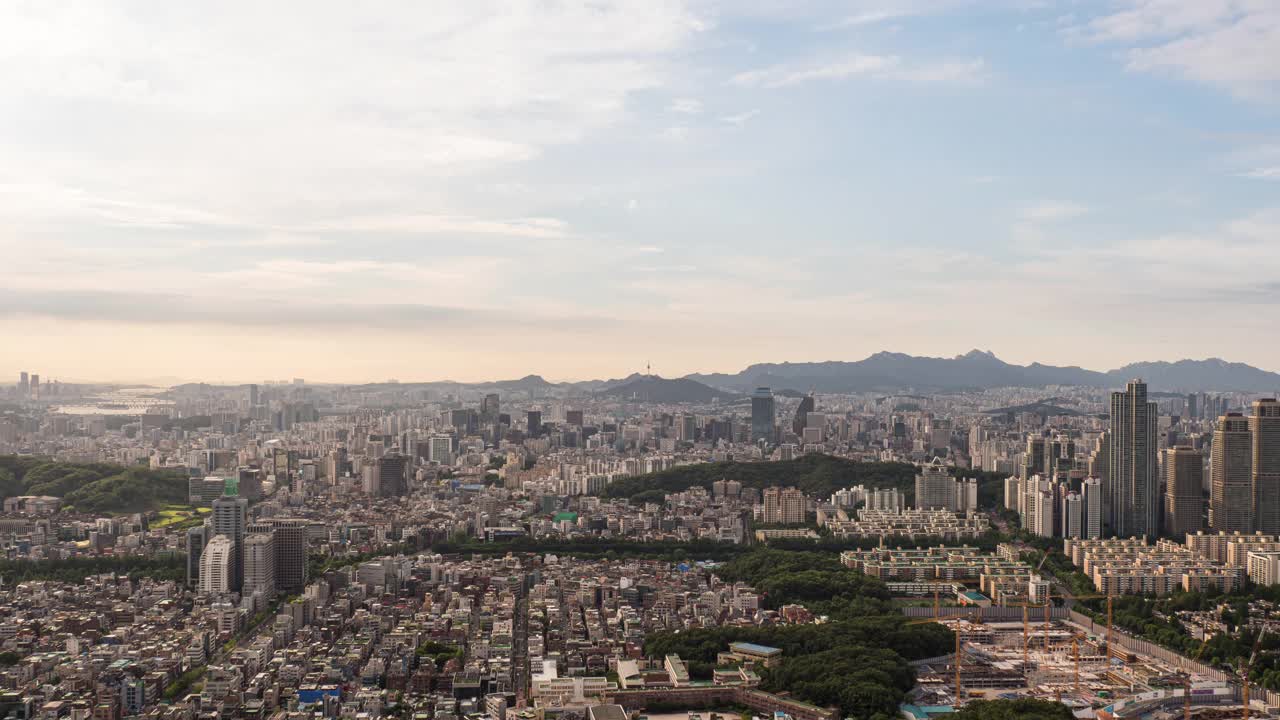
[{"x": 1054, "y": 654}]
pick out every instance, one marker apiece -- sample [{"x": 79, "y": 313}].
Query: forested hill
[
  {"x": 816, "y": 475},
  {"x": 92, "y": 487}
]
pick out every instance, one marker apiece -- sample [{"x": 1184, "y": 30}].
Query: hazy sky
[{"x": 429, "y": 189}]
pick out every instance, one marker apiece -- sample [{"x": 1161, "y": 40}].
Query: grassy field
[{"x": 180, "y": 517}]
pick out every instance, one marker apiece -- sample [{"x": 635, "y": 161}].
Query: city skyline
[{"x": 482, "y": 190}]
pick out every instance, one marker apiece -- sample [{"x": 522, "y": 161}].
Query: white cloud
[
  {"x": 879, "y": 67},
  {"x": 1229, "y": 44},
  {"x": 971, "y": 71},
  {"x": 260, "y": 115},
  {"x": 1048, "y": 212},
  {"x": 676, "y": 133},
  {"x": 741, "y": 118},
  {"x": 793, "y": 74},
  {"x": 686, "y": 106},
  {"x": 1263, "y": 173},
  {"x": 871, "y": 17},
  {"x": 535, "y": 227}
]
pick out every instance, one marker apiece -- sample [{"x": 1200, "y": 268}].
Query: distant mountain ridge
[
  {"x": 882, "y": 372},
  {"x": 651, "y": 388},
  {"x": 886, "y": 371}
]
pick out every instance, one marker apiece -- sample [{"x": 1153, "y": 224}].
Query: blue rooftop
[{"x": 754, "y": 648}]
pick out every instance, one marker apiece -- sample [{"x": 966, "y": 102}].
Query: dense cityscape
[
  {"x": 526, "y": 549},
  {"x": 640, "y": 360}
]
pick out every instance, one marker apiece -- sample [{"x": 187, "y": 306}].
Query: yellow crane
[
  {"x": 959, "y": 649},
  {"x": 1246, "y": 669}
]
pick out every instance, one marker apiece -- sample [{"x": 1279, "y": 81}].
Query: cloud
[
  {"x": 1049, "y": 212},
  {"x": 1233, "y": 45},
  {"x": 180, "y": 309},
  {"x": 676, "y": 133},
  {"x": 741, "y": 118},
  {"x": 686, "y": 106},
  {"x": 1263, "y": 173},
  {"x": 199, "y": 121},
  {"x": 870, "y": 18},
  {"x": 784, "y": 75},
  {"x": 535, "y": 227},
  {"x": 879, "y": 67}
]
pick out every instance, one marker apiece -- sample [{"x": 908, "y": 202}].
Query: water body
[{"x": 124, "y": 401}]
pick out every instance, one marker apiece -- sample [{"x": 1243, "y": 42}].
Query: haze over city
[{"x": 484, "y": 190}]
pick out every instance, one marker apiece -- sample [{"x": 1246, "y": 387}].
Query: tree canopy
[
  {"x": 92, "y": 487},
  {"x": 858, "y": 661}
]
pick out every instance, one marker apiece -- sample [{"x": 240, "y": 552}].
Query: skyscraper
[
  {"x": 533, "y": 423},
  {"x": 1033, "y": 457},
  {"x": 217, "y": 566},
  {"x": 1072, "y": 515},
  {"x": 196, "y": 540},
  {"x": 392, "y": 475},
  {"x": 490, "y": 408},
  {"x": 260, "y": 565},
  {"x": 935, "y": 488},
  {"x": 1134, "y": 485},
  {"x": 1184, "y": 491},
  {"x": 230, "y": 516},
  {"x": 1264, "y": 427},
  {"x": 801, "y": 419},
  {"x": 1231, "y": 474},
  {"x": 1091, "y": 499},
  {"x": 291, "y": 554},
  {"x": 762, "y": 415}
]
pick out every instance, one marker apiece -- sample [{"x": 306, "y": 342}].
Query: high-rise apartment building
[
  {"x": 260, "y": 565},
  {"x": 1013, "y": 494},
  {"x": 1091, "y": 494},
  {"x": 783, "y": 506},
  {"x": 1134, "y": 487},
  {"x": 1072, "y": 515},
  {"x": 1044, "y": 519},
  {"x": 966, "y": 491},
  {"x": 762, "y": 415},
  {"x": 229, "y": 519},
  {"x": 1184, "y": 491},
  {"x": 1231, "y": 475},
  {"x": 1264, "y": 427},
  {"x": 935, "y": 488},
  {"x": 217, "y": 566}
]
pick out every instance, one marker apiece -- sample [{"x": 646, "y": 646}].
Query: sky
[{"x": 242, "y": 191}]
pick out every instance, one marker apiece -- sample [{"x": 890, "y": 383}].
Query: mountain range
[
  {"x": 886, "y": 371},
  {"x": 883, "y": 372}
]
